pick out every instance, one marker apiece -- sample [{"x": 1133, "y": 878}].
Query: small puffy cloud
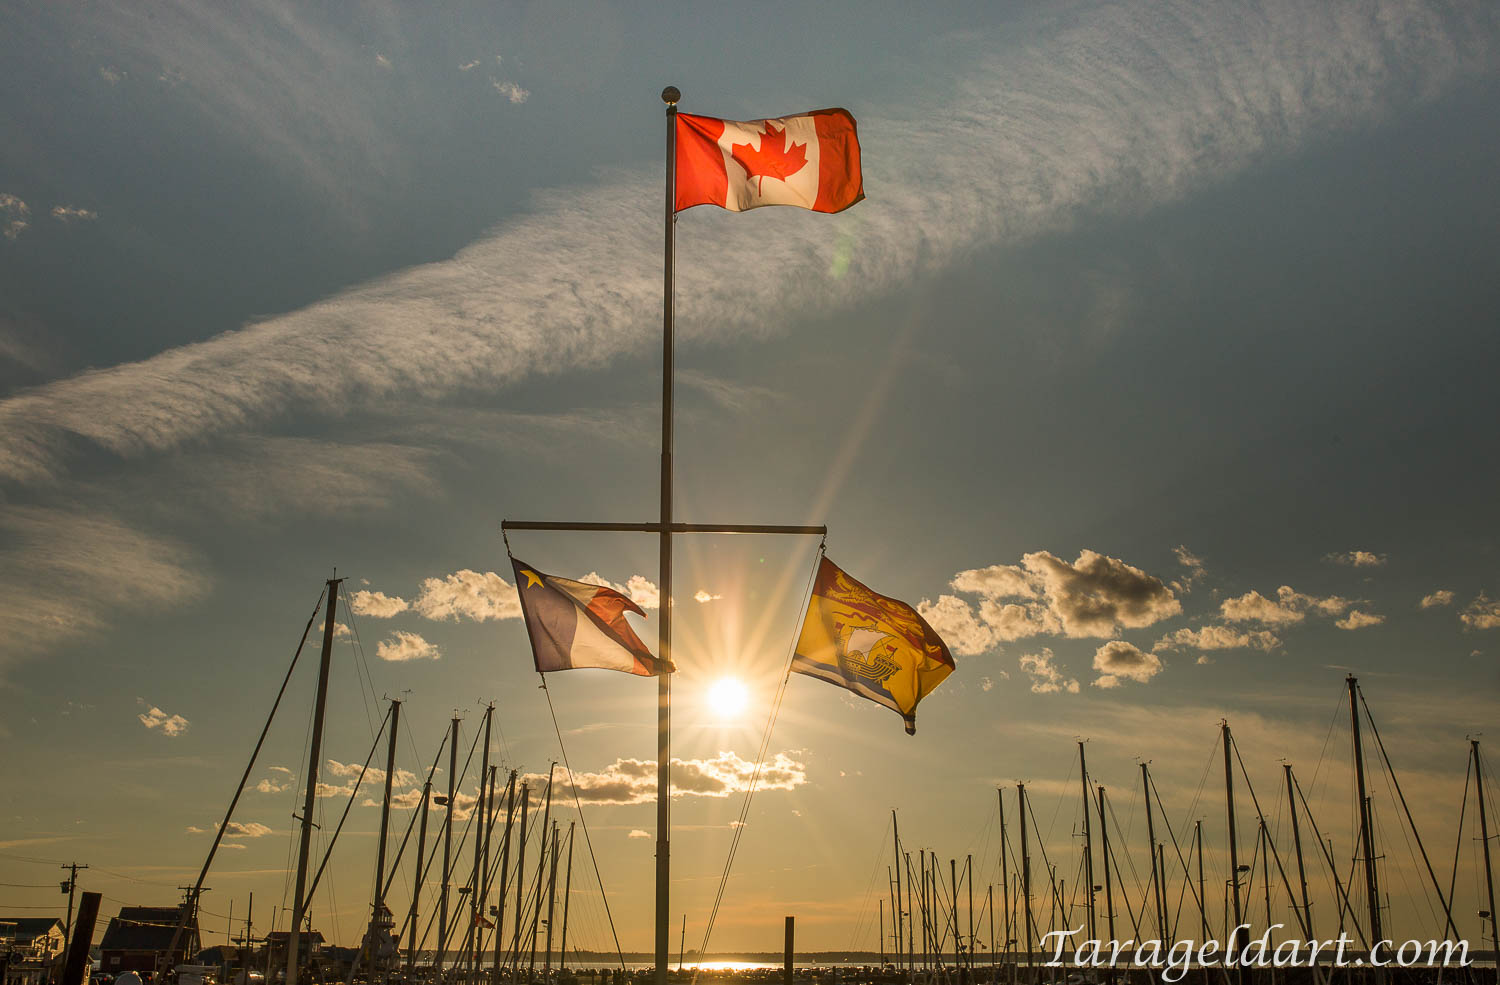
[
  {"x": 1482, "y": 613},
  {"x": 1218, "y": 638},
  {"x": 401, "y": 778},
  {"x": 279, "y": 781},
  {"x": 986, "y": 684},
  {"x": 1204, "y": 660},
  {"x": 1289, "y": 606},
  {"x": 702, "y": 596},
  {"x": 382, "y": 61},
  {"x": 638, "y": 833},
  {"x": 1117, "y": 661},
  {"x": 377, "y": 605},
  {"x": 1359, "y": 620},
  {"x": 1096, "y": 594},
  {"x": 15, "y": 216},
  {"x": 1356, "y": 559},
  {"x": 468, "y": 66},
  {"x": 638, "y": 588},
  {"x": 468, "y": 595},
  {"x": 159, "y": 721},
  {"x": 67, "y": 213},
  {"x": 406, "y": 646},
  {"x": 633, "y": 781},
  {"x": 1437, "y": 599},
  {"x": 998, "y": 581},
  {"x": 111, "y": 75},
  {"x": 953, "y": 619},
  {"x": 1046, "y": 678},
  {"x": 511, "y": 91}
]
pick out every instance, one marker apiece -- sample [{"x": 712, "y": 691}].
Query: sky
[{"x": 1156, "y": 369}]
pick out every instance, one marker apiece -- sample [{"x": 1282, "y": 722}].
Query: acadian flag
[
  {"x": 811, "y": 161},
  {"x": 875, "y": 646},
  {"x": 573, "y": 624}
]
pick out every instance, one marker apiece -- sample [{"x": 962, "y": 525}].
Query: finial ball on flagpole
[{"x": 670, "y": 95}]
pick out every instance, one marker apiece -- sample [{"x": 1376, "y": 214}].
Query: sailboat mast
[
  {"x": 1291, "y": 803},
  {"x": 1004, "y": 868},
  {"x": 1088, "y": 854},
  {"x": 551, "y": 903},
  {"x": 896, "y": 909},
  {"x": 911, "y": 916},
  {"x": 416, "y": 891},
  {"x": 1367, "y": 834},
  {"x": 562, "y": 952},
  {"x": 1109, "y": 890},
  {"x": 1202, "y": 899},
  {"x": 510, "y": 806},
  {"x": 515, "y": 944},
  {"x": 1026, "y": 878},
  {"x": 1234, "y": 851},
  {"x": 541, "y": 867},
  {"x": 1161, "y": 920},
  {"x": 385, "y": 821},
  {"x": 447, "y": 849},
  {"x": 1484, "y": 837},
  {"x": 669, "y": 95},
  {"x": 315, "y": 753},
  {"x": 479, "y": 881}
]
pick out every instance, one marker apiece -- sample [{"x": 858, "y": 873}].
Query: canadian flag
[{"x": 810, "y": 160}]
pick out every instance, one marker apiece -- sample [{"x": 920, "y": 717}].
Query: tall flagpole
[{"x": 670, "y": 96}]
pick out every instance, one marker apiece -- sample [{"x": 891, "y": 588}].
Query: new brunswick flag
[
  {"x": 810, "y": 160},
  {"x": 573, "y": 624},
  {"x": 875, "y": 646}
]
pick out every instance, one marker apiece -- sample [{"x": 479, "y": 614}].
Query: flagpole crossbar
[{"x": 677, "y": 528}]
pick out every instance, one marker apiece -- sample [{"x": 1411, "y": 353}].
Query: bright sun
[{"x": 728, "y": 697}]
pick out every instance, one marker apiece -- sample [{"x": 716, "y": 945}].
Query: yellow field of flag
[{"x": 877, "y": 647}]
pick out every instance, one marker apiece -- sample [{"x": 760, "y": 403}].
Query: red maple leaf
[{"x": 774, "y": 159}]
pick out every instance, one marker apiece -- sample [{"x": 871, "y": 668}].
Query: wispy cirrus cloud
[{"x": 1132, "y": 106}]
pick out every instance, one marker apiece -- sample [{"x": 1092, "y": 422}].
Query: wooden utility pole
[
  {"x": 315, "y": 754},
  {"x": 70, "y": 887}
]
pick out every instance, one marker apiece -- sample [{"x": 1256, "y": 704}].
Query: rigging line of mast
[
  {"x": 1135, "y": 921},
  {"x": 583, "y": 821},
  {"x": 1270, "y": 845},
  {"x": 1177, "y": 849},
  {"x": 1088, "y": 857},
  {"x": 328, "y": 851},
  {"x": 1391, "y": 771},
  {"x": 1366, "y": 829},
  {"x": 197, "y": 890},
  {"x": 1346, "y": 906}
]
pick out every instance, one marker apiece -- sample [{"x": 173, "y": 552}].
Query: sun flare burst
[{"x": 727, "y": 698}]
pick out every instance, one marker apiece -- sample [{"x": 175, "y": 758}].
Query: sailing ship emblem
[{"x": 867, "y": 653}]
